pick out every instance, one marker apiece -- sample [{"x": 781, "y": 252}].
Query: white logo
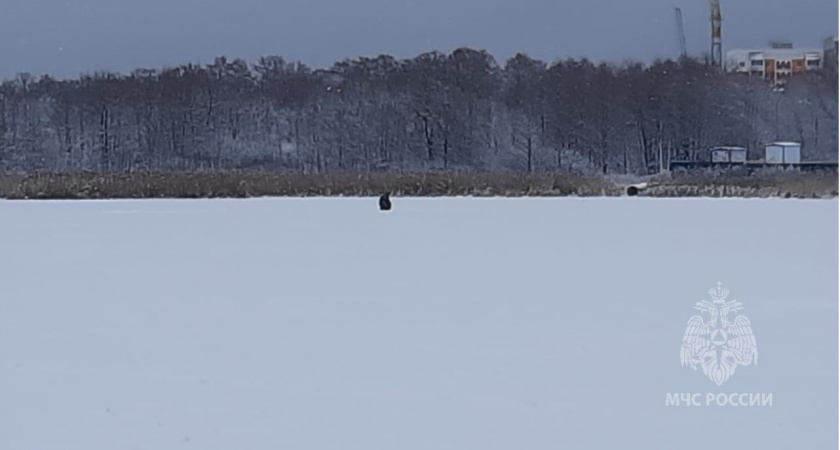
[{"x": 718, "y": 346}]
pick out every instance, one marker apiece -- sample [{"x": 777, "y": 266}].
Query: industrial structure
[
  {"x": 777, "y": 155},
  {"x": 783, "y": 153},
  {"x": 728, "y": 155},
  {"x": 680, "y": 32},
  {"x": 717, "y": 38},
  {"x": 778, "y": 62}
]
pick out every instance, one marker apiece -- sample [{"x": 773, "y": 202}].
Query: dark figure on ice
[{"x": 385, "y": 202}]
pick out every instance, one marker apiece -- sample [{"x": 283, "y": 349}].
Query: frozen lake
[{"x": 447, "y": 323}]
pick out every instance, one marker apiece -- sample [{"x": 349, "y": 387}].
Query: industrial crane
[
  {"x": 680, "y": 32},
  {"x": 717, "y": 41}
]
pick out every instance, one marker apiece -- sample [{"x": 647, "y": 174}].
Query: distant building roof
[{"x": 774, "y": 53}]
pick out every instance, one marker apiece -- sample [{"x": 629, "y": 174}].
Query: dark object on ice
[
  {"x": 632, "y": 191},
  {"x": 385, "y": 202}
]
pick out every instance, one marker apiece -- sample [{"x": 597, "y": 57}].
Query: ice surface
[{"x": 444, "y": 324}]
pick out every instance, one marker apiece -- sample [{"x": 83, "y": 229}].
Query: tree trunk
[{"x": 530, "y": 155}]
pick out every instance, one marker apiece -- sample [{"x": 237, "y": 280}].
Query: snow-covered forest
[{"x": 461, "y": 111}]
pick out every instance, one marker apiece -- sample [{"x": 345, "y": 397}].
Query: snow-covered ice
[{"x": 447, "y": 323}]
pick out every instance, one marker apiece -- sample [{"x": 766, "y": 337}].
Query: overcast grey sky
[{"x": 68, "y": 37}]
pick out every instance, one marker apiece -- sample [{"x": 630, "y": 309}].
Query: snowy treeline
[{"x": 460, "y": 111}]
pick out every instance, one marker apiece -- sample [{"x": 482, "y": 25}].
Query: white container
[
  {"x": 729, "y": 155},
  {"x": 783, "y": 153}
]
